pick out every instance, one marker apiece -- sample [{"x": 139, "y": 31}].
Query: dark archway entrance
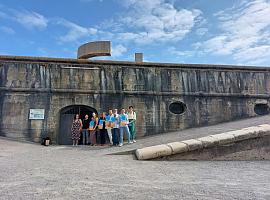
[{"x": 66, "y": 117}]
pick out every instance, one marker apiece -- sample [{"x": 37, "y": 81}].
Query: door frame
[{"x": 62, "y": 111}]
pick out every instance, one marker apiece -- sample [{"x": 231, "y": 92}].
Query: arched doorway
[{"x": 66, "y": 117}]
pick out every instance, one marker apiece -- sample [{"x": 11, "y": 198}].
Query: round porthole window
[
  {"x": 177, "y": 107},
  {"x": 261, "y": 109}
]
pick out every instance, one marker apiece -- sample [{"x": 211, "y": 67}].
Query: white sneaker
[
  {"x": 131, "y": 142},
  {"x": 120, "y": 144},
  {"x": 134, "y": 141}
]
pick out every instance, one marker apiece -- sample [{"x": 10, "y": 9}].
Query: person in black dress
[{"x": 102, "y": 128}]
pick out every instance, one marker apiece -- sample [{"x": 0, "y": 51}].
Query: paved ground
[{"x": 31, "y": 171}]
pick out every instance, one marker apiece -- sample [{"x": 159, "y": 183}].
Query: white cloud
[
  {"x": 157, "y": 21},
  {"x": 201, "y": 31},
  {"x": 144, "y": 22},
  {"x": 7, "y": 30},
  {"x": 245, "y": 31},
  {"x": 254, "y": 54},
  {"x": 118, "y": 50},
  {"x": 30, "y": 19},
  {"x": 75, "y": 32},
  {"x": 178, "y": 53}
]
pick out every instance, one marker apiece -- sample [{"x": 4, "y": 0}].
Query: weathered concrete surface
[
  {"x": 93, "y": 49},
  {"x": 154, "y": 151},
  {"x": 208, "y": 141},
  {"x": 215, "y": 146},
  {"x": 30, "y": 171},
  {"x": 186, "y": 134},
  {"x": 196, "y": 133},
  {"x": 193, "y": 144},
  {"x": 250, "y": 149},
  {"x": 211, "y": 93},
  {"x": 224, "y": 138},
  {"x": 177, "y": 147}
]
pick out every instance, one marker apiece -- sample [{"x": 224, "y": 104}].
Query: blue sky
[{"x": 174, "y": 31}]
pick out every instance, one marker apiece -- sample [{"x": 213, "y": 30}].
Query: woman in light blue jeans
[{"x": 124, "y": 127}]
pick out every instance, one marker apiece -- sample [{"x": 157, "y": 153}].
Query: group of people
[{"x": 113, "y": 125}]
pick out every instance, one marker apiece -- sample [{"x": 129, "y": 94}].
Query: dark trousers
[
  {"x": 103, "y": 133},
  {"x": 85, "y": 136},
  {"x": 115, "y": 136}
]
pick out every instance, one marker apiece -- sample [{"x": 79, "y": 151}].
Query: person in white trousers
[{"x": 108, "y": 127}]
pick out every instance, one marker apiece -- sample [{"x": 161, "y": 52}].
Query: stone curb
[
  {"x": 178, "y": 147},
  {"x": 153, "y": 152},
  {"x": 203, "y": 142},
  {"x": 193, "y": 144}
]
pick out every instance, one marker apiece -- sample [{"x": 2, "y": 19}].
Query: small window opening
[
  {"x": 261, "y": 109},
  {"x": 177, "y": 107}
]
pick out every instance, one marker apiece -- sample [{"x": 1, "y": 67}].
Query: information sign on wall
[{"x": 36, "y": 114}]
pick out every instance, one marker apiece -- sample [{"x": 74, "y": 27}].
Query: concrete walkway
[
  {"x": 32, "y": 171},
  {"x": 192, "y": 133}
]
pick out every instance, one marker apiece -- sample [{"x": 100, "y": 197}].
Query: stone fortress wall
[{"x": 166, "y": 97}]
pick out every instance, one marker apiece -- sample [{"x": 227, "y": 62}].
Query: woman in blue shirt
[{"x": 123, "y": 127}]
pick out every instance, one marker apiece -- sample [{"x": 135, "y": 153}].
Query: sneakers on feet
[
  {"x": 134, "y": 141},
  {"x": 131, "y": 142},
  {"x": 120, "y": 144}
]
